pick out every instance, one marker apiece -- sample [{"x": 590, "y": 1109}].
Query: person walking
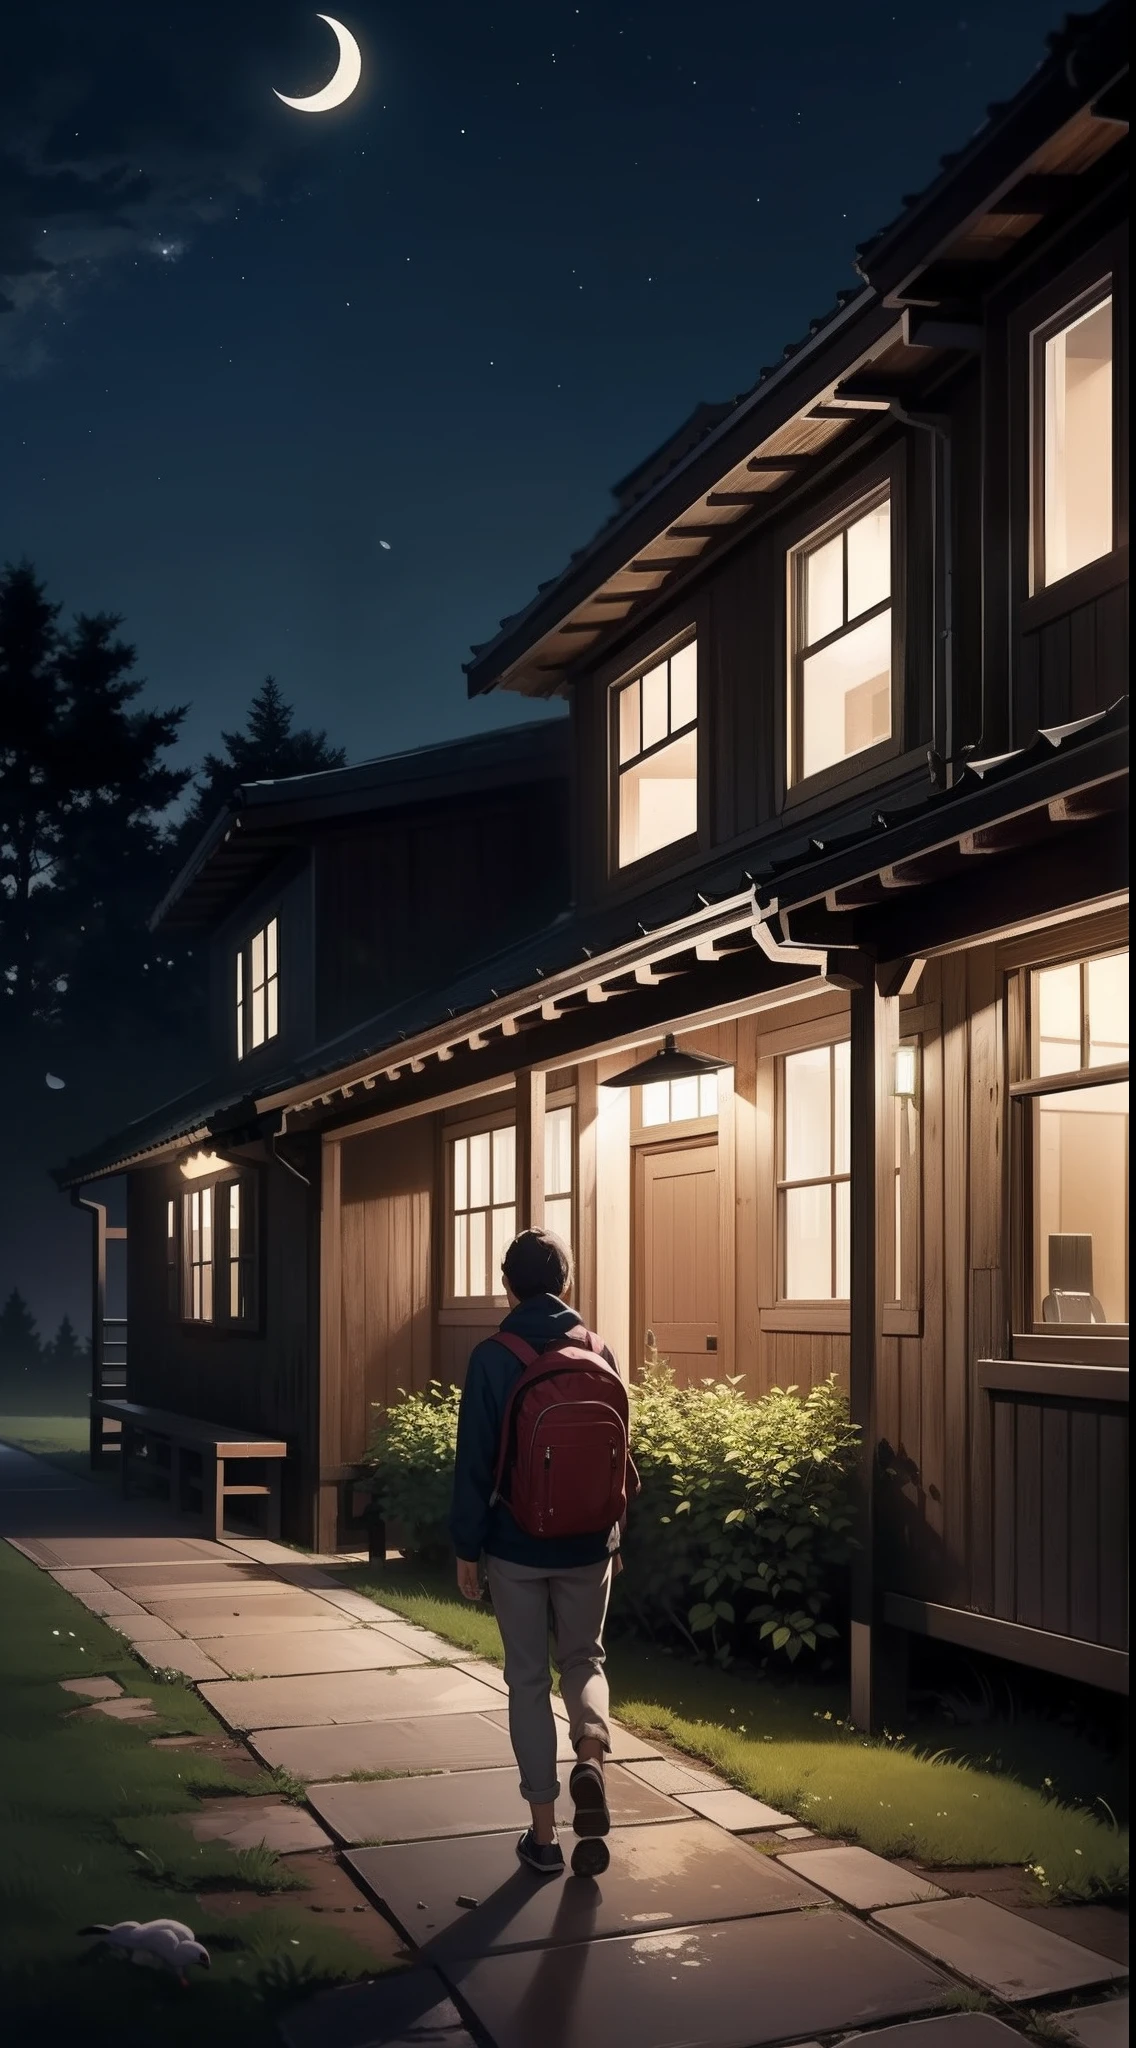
[{"x": 541, "y": 1484}]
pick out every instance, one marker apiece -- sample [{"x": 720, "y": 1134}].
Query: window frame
[
  {"x": 554, "y": 1106},
  {"x": 249, "y": 1256},
  {"x": 652, "y": 654},
  {"x": 1083, "y": 301},
  {"x": 782, "y": 1185},
  {"x": 885, "y": 478},
  {"x": 493, "y": 1120},
  {"x": 244, "y": 987},
  {"x": 1091, "y": 1343}
]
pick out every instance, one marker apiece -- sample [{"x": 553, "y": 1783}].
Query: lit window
[
  {"x": 657, "y": 776},
  {"x": 1073, "y": 442},
  {"x": 484, "y": 1211},
  {"x": 215, "y": 1278},
  {"x": 677, "y": 1102},
  {"x": 1079, "y": 1141},
  {"x": 558, "y": 1173},
  {"x": 842, "y": 641},
  {"x": 198, "y": 1307},
  {"x": 173, "y": 1288},
  {"x": 258, "y": 989},
  {"x": 813, "y": 1184}
]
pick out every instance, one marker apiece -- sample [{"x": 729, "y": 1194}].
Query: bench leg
[
  {"x": 213, "y": 1493},
  {"x": 272, "y": 1504},
  {"x": 124, "y": 1475}
]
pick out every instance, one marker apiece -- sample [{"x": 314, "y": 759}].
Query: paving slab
[
  {"x": 796, "y": 1834},
  {"x": 183, "y": 1576},
  {"x": 436, "y": 1742},
  {"x": 401, "y": 2010},
  {"x": 143, "y": 1628},
  {"x": 659, "y": 1877},
  {"x": 292, "y": 1656},
  {"x": 952, "y": 2030},
  {"x": 1097, "y": 2026},
  {"x": 265, "y": 1551},
  {"x": 726, "y": 1984},
  {"x": 434, "y": 1647},
  {"x": 859, "y": 1879},
  {"x": 92, "y": 1553},
  {"x": 625, "y": 1747},
  {"x": 93, "y": 1688},
  {"x": 129, "y": 1708},
  {"x": 344, "y": 1696},
  {"x": 733, "y": 1810},
  {"x": 94, "y": 1592},
  {"x": 178, "y": 1655},
  {"x": 465, "y": 1803},
  {"x": 665, "y": 1776},
  {"x": 357, "y": 1604},
  {"x": 246, "y": 1823},
  {"x": 261, "y": 1609},
  {"x": 493, "y": 1676},
  {"x": 997, "y": 1949}
]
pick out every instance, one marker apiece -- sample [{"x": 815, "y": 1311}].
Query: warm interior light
[
  {"x": 904, "y": 1072},
  {"x": 199, "y": 1164}
]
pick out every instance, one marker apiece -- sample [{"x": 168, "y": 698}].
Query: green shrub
[
  {"x": 411, "y": 1456},
  {"x": 743, "y": 1530}
]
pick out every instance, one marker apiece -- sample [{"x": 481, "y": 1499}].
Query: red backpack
[{"x": 564, "y": 1439}]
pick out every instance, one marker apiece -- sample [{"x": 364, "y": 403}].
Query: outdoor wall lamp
[
  {"x": 668, "y": 1065},
  {"x": 906, "y": 1064},
  {"x": 199, "y": 1164}
]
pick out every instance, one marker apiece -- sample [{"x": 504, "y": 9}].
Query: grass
[
  {"x": 1025, "y": 1792},
  {"x": 63, "y": 1439},
  {"x": 87, "y": 1835}
]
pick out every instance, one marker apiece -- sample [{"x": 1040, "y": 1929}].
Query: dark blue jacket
[{"x": 474, "y": 1525}]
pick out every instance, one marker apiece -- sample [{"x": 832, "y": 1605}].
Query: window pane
[
  {"x": 504, "y": 1231},
  {"x": 256, "y": 1035},
  {"x": 207, "y": 1294},
  {"x": 171, "y": 1222},
  {"x": 257, "y": 959},
  {"x": 1108, "y": 1009},
  {"x": 807, "y": 1114},
  {"x": 234, "y": 1217},
  {"x": 843, "y": 1240},
  {"x": 629, "y": 742},
  {"x": 558, "y": 1152},
  {"x": 505, "y": 1164},
  {"x": 478, "y": 1234},
  {"x": 479, "y": 1195},
  {"x": 656, "y": 1102},
  {"x": 658, "y": 800},
  {"x": 1058, "y": 992},
  {"x": 270, "y": 946},
  {"x": 655, "y": 721},
  {"x": 558, "y": 1218},
  {"x": 1081, "y": 1197},
  {"x": 842, "y": 1106},
  {"x": 461, "y": 1173},
  {"x": 869, "y": 560},
  {"x": 1078, "y": 443},
  {"x": 461, "y": 1255},
  {"x": 273, "y": 1021},
  {"x": 684, "y": 686},
  {"x": 708, "y": 1095},
  {"x": 235, "y": 1289},
  {"x": 847, "y": 695},
  {"x": 207, "y": 1223},
  {"x": 824, "y": 590},
  {"x": 684, "y": 1098},
  {"x": 808, "y": 1243},
  {"x": 898, "y": 1233}
]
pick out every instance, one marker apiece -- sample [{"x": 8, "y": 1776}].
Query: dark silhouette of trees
[
  {"x": 21, "y": 1352},
  {"x": 65, "y": 1350},
  {"x": 269, "y": 747}
]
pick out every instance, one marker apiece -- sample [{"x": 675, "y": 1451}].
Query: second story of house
[
  {"x": 905, "y": 548},
  {"x": 325, "y": 899}
]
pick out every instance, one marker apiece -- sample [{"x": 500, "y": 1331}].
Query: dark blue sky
[{"x": 247, "y": 346}]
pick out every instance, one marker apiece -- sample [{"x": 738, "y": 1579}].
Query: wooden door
[{"x": 677, "y": 1290}]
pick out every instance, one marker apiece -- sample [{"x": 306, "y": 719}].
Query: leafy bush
[
  {"x": 411, "y": 1456},
  {"x": 744, "y": 1526}
]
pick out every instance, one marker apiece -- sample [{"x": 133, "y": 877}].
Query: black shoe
[
  {"x": 590, "y": 1858},
  {"x": 546, "y": 1858},
  {"x": 589, "y": 1794}
]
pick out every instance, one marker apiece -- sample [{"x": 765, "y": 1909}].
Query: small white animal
[{"x": 154, "y": 1944}]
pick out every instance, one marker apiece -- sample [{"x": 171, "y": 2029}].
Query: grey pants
[{"x": 571, "y": 1605}]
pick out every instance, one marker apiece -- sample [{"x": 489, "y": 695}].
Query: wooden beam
[
  {"x": 700, "y": 532},
  {"x": 779, "y": 465},
  {"x": 1038, "y": 193},
  {"x": 1067, "y": 1656},
  {"x": 326, "y": 1452},
  {"x": 958, "y": 329},
  {"x": 531, "y": 1092},
  {"x": 734, "y": 497},
  {"x": 662, "y": 566}
]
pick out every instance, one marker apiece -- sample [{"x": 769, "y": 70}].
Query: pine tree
[
  {"x": 20, "y": 1348},
  {"x": 268, "y": 748},
  {"x": 65, "y": 1348}
]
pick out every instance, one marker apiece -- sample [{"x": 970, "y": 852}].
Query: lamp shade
[{"x": 668, "y": 1065}]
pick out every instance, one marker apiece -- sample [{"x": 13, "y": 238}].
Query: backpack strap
[{"x": 520, "y": 1350}]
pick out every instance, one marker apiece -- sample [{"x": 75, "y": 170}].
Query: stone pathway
[{"x": 721, "y": 1923}]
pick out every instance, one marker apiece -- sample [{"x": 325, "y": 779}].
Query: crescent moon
[{"x": 344, "y": 79}]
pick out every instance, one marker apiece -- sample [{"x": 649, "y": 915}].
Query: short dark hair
[{"x": 537, "y": 1262}]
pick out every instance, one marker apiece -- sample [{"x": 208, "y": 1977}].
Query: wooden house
[{"x": 847, "y": 674}]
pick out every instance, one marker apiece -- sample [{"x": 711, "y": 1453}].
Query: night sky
[{"x": 241, "y": 348}]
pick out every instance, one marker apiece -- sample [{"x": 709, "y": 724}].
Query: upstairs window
[
  {"x": 1073, "y": 440},
  {"x": 211, "y": 1252},
  {"x": 814, "y": 1147},
  {"x": 656, "y": 746},
  {"x": 1076, "y": 1143},
  {"x": 841, "y": 665},
  {"x": 258, "y": 989}
]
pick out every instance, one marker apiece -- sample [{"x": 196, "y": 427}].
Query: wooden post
[
  {"x": 587, "y": 1113},
  {"x": 876, "y": 1654},
  {"x": 530, "y": 1148},
  {"x": 323, "y": 1468}
]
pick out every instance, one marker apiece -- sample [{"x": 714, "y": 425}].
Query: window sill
[
  {"x": 657, "y": 863},
  {"x": 1054, "y": 1381},
  {"x": 475, "y": 1314},
  {"x": 1057, "y": 600},
  {"x": 860, "y": 773},
  {"x": 816, "y": 1318},
  {"x": 1073, "y": 1347}
]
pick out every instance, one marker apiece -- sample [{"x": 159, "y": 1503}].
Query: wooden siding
[
  {"x": 396, "y": 898},
  {"x": 1059, "y": 1484},
  {"x": 387, "y": 1257}
]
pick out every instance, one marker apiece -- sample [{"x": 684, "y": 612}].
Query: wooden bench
[{"x": 194, "y": 1456}]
